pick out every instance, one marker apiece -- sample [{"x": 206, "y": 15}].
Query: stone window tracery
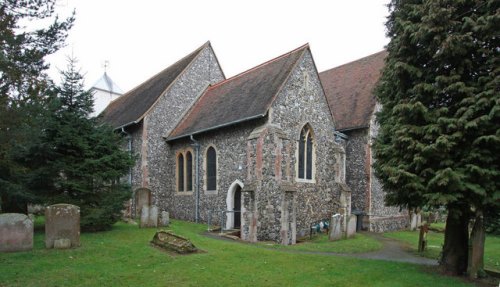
[
  {"x": 184, "y": 171},
  {"x": 306, "y": 154},
  {"x": 211, "y": 169}
]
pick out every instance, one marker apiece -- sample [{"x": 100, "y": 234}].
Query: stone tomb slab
[
  {"x": 16, "y": 232},
  {"x": 62, "y": 221}
]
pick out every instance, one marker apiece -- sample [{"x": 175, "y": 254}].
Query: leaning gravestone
[
  {"x": 62, "y": 221},
  {"x": 336, "y": 227},
  {"x": 16, "y": 232}
]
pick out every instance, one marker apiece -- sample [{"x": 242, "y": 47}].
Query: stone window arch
[
  {"x": 306, "y": 154},
  {"x": 211, "y": 169},
  {"x": 184, "y": 170}
]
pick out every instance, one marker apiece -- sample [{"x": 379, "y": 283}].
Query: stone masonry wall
[
  {"x": 151, "y": 170},
  {"x": 356, "y": 171},
  {"x": 231, "y": 145},
  {"x": 382, "y": 217},
  {"x": 262, "y": 153},
  {"x": 302, "y": 101}
]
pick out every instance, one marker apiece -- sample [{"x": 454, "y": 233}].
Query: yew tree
[{"x": 439, "y": 140}]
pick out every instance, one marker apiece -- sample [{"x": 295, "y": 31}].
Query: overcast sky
[{"x": 140, "y": 38}]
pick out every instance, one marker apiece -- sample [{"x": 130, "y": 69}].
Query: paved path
[{"x": 392, "y": 250}]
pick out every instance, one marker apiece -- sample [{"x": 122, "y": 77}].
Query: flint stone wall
[
  {"x": 16, "y": 232},
  {"x": 148, "y": 145},
  {"x": 62, "y": 221},
  {"x": 267, "y": 161}
]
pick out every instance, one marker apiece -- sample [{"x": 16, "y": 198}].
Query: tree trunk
[
  {"x": 455, "y": 247},
  {"x": 476, "y": 248}
]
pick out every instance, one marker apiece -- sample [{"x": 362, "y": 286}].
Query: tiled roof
[
  {"x": 246, "y": 96},
  {"x": 133, "y": 106},
  {"x": 349, "y": 90}
]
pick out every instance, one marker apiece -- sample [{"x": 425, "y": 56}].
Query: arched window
[
  {"x": 211, "y": 171},
  {"x": 306, "y": 154},
  {"x": 180, "y": 172},
  {"x": 189, "y": 171},
  {"x": 185, "y": 171}
]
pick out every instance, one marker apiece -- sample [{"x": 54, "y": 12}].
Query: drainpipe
[{"x": 196, "y": 145}]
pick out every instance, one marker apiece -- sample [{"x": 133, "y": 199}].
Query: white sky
[{"x": 140, "y": 38}]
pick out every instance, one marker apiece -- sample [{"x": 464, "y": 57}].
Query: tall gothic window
[
  {"x": 211, "y": 169},
  {"x": 185, "y": 171},
  {"x": 180, "y": 172},
  {"x": 189, "y": 171},
  {"x": 306, "y": 154}
]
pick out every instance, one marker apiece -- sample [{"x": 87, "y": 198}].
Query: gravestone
[
  {"x": 16, "y": 232},
  {"x": 142, "y": 197},
  {"x": 413, "y": 221},
  {"x": 149, "y": 216},
  {"x": 62, "y": 221},
  {"x": 351, "y": 225},
  {"x": 63, "y": 243},
  {"x": 144, "y": 216},
  {"x": 336, "y": 227},
  {"x": 153, "y": 216},
  {"x": 165, "y": 218}
]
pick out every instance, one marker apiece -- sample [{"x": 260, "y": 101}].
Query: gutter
[
  {"x": 217, "y": 127},
  {"x": 196, "y": 146}
]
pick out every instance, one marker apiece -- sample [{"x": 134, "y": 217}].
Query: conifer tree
[
  {"x": 439, "y": 140},
  {"x": 78, "y": 160}
]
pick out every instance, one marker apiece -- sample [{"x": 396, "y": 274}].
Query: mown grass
[
  {"x": 124, "y": 257},
  {"x": 435, "y": 241}
]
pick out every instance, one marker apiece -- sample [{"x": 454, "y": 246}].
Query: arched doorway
[{"x": 233, "y": 203}]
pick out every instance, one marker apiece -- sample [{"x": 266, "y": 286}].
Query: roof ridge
[
  {"x": 198, "y": 50},
  {"x": 355, "y": 61},
  {"x": 260, "y": 65}
]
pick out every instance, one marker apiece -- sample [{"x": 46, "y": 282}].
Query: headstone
[
  {"x": 336, "y": 227},
  {"x": 165, "y": 218},
  {"x": 144, "y": 216},
  {"x": 351, "y": 225},
  {"x": 62, "y": 221},
  {"x": 153, "y": 216},
  {"x": 419, "y": 219},
  {"x": 63, "y": 243},
  {"x": 16, "y": 232},
  {"x": 413, "y": 221},
  {"x": 142, "y": 197}
]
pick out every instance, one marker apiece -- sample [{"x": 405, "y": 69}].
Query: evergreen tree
[
  {"x": 23, "y": 84},
  {"x": 78, "y": 160},
  {"x": 439, "y": 140}
]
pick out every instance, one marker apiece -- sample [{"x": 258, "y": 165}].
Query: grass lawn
[
  {"x": 435, "y": 242},
  {"x": 123, "y": 257}
]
